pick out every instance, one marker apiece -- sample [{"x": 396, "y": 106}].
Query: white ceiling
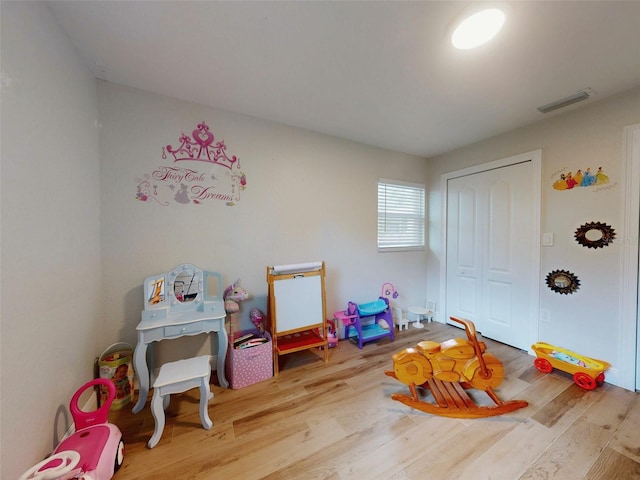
[{"x": 381, "y": 73}]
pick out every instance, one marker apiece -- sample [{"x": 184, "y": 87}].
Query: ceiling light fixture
[{"x": 478, "y": 28}]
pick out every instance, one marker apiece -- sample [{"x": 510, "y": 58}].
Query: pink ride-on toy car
[{"x": 95, "y": 451}]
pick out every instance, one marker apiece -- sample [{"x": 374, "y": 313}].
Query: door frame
[
  {"x": 630, "y": 295},
  {"x": 535, "y": 157}
]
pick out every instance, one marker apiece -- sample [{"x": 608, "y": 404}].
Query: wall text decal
[{"x": 191, "y": 184}]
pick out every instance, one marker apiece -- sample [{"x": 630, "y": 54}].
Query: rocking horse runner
[{"x": 447, "y": 369}]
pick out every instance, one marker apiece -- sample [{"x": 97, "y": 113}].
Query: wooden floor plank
[
  {"x": 626, "y": 440},
  {"x": 450, "y": 457},
  {"x": 337, "y": 421},
  {"x": 576, "y": 449},
  {"x": 567, "y": 406},
  {"x": 611, "y": 464},
  {"x": 510, "y": 456},
  {"x": 387, "y": 461}
]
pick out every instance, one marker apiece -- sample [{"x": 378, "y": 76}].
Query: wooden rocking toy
[{"x": 447, "y": 369}]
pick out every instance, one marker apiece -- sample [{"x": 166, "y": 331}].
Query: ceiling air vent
[{"x": 564, "y": 102}]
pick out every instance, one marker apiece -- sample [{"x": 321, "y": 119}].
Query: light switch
[{"x": 547, "y": 239}]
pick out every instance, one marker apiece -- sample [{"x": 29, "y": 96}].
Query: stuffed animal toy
[
  {"x": 232, "y": 296},
  {"x": 257, "y": 318},
  {"x": 332, "y": 337}
]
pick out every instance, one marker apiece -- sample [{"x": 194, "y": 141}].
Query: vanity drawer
[{"x": 186, "y": 329}]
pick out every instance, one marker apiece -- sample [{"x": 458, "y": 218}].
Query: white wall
[
  {"x": 588, "y": 321},
  {"x": 309, "y": 197},
  {"x": 50, "y": 252}
]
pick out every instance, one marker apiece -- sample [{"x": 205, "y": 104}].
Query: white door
[
  {"x": 492, "y": 234},
  {"x": 630, "y": 339}
]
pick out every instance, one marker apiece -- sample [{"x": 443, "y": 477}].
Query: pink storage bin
[{"x": 247, "y": 366}]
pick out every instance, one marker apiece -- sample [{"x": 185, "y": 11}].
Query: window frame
[{"x": 418, "y": 216}]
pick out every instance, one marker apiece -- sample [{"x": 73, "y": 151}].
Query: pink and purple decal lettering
[{"x": 186, "y": 182}]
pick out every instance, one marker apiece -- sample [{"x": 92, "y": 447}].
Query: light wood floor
[{"x": 337, "y": 421}]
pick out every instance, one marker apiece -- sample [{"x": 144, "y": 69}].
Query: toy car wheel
[
  {"x": 600, "y": 378},
  {"x": 585, "y": 381},
  {"x": 119, "y": 456},
  {"x": 543, "y": 365}
]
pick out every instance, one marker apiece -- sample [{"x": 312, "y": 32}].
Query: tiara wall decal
[
  {"x": 172, "y": 184},
  {"x": 200, "y": 147}
]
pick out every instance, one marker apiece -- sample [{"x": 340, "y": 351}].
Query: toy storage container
[
  {"x": 116, "y": 364},
  {"x": 250, "y": 365}
]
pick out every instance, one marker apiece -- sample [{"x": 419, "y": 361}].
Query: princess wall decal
[
  {"x": 581, "y": 178},
  {"x": 188, "y": 179}
]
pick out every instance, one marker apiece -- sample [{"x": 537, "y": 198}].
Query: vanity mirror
[
  {"x": 187, "y": 283},
  {"x": 184, "y": 288}
]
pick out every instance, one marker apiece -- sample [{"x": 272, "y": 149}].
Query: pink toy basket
[{"x": 248, "y": 366}]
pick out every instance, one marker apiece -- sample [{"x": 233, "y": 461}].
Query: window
[{"x": 400, "y": 215}]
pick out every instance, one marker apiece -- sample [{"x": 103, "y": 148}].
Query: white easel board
[{"x": 298, "y": 302}]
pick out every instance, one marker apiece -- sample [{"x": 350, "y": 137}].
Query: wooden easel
[{"x": 297, "y": 309}]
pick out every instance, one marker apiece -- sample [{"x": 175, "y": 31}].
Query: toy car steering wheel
[{"x": 68, "y": 459}]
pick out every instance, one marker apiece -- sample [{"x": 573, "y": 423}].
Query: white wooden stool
[{"x": 178, "y": 377}]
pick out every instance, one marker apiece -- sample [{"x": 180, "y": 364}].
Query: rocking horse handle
[{"x": 470, "y": 328}]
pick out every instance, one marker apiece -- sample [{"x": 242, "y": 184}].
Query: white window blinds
[{"x": 400, "y": 215}]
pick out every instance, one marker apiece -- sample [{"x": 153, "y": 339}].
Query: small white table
[{"x": 420, "y": 312}]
